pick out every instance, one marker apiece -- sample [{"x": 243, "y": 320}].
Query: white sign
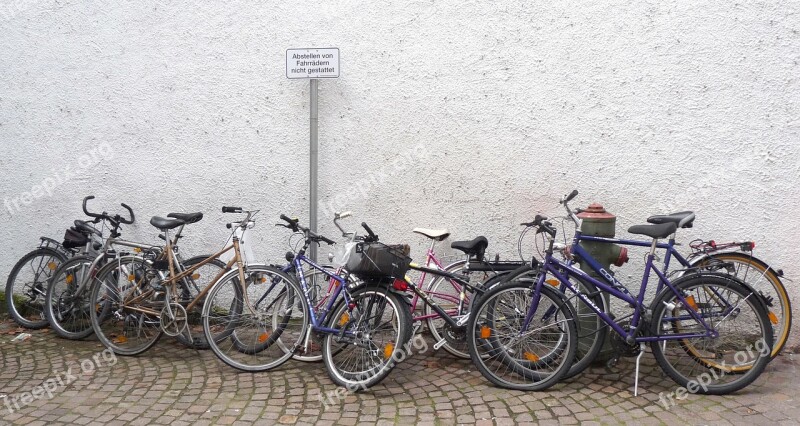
[{"x": 312, "y": 63}]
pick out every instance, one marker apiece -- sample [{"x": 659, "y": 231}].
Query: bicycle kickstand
[{"x": 636, "y": 377}]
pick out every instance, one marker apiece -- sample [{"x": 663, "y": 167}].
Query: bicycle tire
[
  {"x": 67, "y": 312},
  {"x": 773, "y": 287},
  {"x": 237, "y": 324},
  {"x": 500, "y": 364},
  {"x": 127, "y": 306},
  {"x": 692, "y": 358},
  {"x": 25, "y": 298},
  {"x": 340, "y": 352}
]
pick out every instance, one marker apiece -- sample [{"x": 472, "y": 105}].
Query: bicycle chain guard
[{"x": 174, "y": 319}]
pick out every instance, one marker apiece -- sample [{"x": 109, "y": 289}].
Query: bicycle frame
[
  {"x": 340, "y": 283},
  {"x": 430, "y": 257},
  {"x": 609, "y": 285}
]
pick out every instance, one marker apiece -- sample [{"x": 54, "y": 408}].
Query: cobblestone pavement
[{"x": 173, "y": 385}]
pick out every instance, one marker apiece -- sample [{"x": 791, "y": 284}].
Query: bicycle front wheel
[
  {"x": 27, "y": 284},
  {"x": 372, "y": 332},
  {"x": 238, "y": 318},
  {"x": 516, "y": 348},
  {"x": 67, "y": 303},
  {"x": 722, "y": 364},
  {"x": 126, "y": 301}
]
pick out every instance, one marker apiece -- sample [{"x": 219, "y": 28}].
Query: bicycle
[
  {"x": 27, "y": 282},
  {"x": 682, "y": 316},
  {"x": 710, "y": 257},
  {"x": 363, "y": 324},
  {"x": 139, "y": 299}
]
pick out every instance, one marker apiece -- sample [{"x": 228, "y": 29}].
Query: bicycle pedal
[{"x": 611, "y": 363}]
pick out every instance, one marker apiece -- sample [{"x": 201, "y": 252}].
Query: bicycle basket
[
  {"x": 371, "y": 260},
  {"x": 74, "y": 238}
]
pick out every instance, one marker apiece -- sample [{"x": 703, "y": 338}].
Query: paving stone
[{"x": 172, "y": 385}]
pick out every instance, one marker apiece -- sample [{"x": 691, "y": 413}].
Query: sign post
[{"x": 313, "y": 64}]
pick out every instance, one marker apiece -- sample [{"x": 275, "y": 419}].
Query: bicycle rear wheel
[
  {"x": 238, "y": 318},
  {"x": 27, "y": 284},
  {"x": 764, "y": 280},
  {"x": 533, "y": 358},
  {"x": 126, "y": 303},
  {"x": 371, "y": 337},
  {"x": 722, "y": 364},
  {"x": 66, "y": 307}
]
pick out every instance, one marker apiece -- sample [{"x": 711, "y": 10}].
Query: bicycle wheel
[
  {"x": 27, "y": 284},
  {"x": 508, "y": 356},
  {"x": 373, "y": 330},
  {"x": 238, "y": 318},
  {"x": 127, "y": 299},
  {"x": 188, "y": 289},
  {"x": 446, "y": 293},
  {"x": 722, "y": 364},
  {"x": 764, "y": 280},
  {"x": 66, "y": 308}
]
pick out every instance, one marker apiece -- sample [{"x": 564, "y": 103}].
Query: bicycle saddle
[
  {"x": 434, "y": 234},
  {"x": 682, "y": 219},
  {"x": 187, "y": 217},
  {"x": 476, "y": 247},
  {"x": 162, "y": 223},
  {"x": 661, "y": 230}
]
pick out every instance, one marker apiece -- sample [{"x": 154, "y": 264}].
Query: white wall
[{"x": 645, "y": 106}]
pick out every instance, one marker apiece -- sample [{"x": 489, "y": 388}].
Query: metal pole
[{"x": 314, "y": 139}]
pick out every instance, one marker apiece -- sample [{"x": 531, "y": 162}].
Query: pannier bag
[
  {"x": 370, "y": 260},
  {"x": 74, "y": 238}
]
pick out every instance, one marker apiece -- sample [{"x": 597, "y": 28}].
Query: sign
[{"x": 312, "y": 63}]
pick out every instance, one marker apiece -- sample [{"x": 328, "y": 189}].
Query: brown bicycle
[{"x": 138, "y": 300}]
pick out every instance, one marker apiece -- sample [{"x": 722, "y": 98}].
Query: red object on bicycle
[{"x": 400, "y": 285}]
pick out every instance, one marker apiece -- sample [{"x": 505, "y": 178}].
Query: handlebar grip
[
  {"x": 290, "y": 220},
  {"x": 130, "y": 210},
  {"x": 345, "y": 214},
  {"x": 366, "y": 228},
  {"x": 571, "y": 196},
  {"x": 327, "y": 240},
  {"x": 227, "y": 209}
]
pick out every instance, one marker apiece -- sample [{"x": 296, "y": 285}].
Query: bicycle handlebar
[
  {"x": 294, "y": 225},
  {"x": 104, "y": 216}
]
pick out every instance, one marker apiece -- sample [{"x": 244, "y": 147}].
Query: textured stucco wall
[{"x": 645, "y": 106}]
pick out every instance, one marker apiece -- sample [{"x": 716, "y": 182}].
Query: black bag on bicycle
[
  {"x": 374, "y": 260},
  {"x": 74, "y": 238}
]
